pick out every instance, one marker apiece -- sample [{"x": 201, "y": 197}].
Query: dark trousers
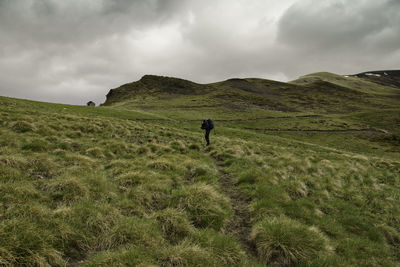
[{"x": 207, "y": 136}]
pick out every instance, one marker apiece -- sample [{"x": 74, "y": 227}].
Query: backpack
[{"x": 210, "y": 124}]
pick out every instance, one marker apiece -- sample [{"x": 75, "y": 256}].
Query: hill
[
  {"x": 383, "y": 77},
  {"x": 369, "y": 82},
  {"x": 359, "y": 91},
  {"x": 303, "y": 173},
  {"x": 345, "y": 102},
  {"x": 151, "y": 85}
]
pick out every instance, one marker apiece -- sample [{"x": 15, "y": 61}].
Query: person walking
[{"x": 207, "y": 125}]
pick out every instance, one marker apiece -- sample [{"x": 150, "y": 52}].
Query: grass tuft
[
  {"x": 25, "y": 243},
  {"x": 131, "y": 256},
  {"x": 139, "y": 231},
  {"x": 284, "y": 241},
  {"x": 174, "y": 224},
  {"x": 228, "y": 251},
  {"x": 36, "y": 146},
  {"x": 152, "y": 196},
  {"x": 95, "y": 152},
  {"x": 67, "y": 190},
  {"x": 161, "y": 164},
  {"x": 187, "y": 254},
  {"x": 206, "y": 207},
  {"x": 23, "y": 127}
]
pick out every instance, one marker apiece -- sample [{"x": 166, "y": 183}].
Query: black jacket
[{"x": 205, "y": 126}]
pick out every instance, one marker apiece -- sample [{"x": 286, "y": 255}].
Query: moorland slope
[{"x": 303, "y": 173}]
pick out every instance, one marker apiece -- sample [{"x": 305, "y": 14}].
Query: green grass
[
  {"x": 352, "y": 82},
  {"x": 286, "y": 242},
  {"x": 133, "y": 183}
]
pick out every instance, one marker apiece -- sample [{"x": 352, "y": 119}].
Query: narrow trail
[{"x": 240, "y": 226}]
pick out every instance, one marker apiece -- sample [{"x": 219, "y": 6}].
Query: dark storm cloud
[
  {"x": 343, "y": 35},
  {"x": 74, "y": 51},
  {"x": 68, "y": 51},
  {"x": 74, "y": 21}
]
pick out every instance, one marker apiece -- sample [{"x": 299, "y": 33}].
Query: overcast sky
[{"x": 73, "y": 51}]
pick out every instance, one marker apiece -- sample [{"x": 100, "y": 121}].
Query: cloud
[
  {"x": 61, "y": 50},
  {"x": 74, "y": 51},
  {"x": 346, "y": 35}
]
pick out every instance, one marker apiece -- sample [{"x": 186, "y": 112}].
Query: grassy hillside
[
  {"x": 319, "y": 93},
  {"x": 361, "y": 82},
  {"x": 303, "y": 175}
]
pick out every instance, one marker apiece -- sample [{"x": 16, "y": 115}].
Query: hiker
[{"x": 207, "y": 125}]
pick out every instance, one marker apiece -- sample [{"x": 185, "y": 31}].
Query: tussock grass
[
  {"x": 174, "y": 224},
  {"x": 95, "y": 152},
  {"x": 227, "y": 250},
  {"x": 43, "y": 167},
  {"x": 10, "y": 174},
  {"x": 284, "y": 241},
  {"x": 296, "y": 189},
  {"x": 143, "y": 231},
  {"x": 131, "y": 256},
  {"x": 159, "y": 149},
  {"x": 161, "y": 164},
  {"x": 100, "y": 187},
  {"x": 131, "y": 179},
  {"x": 200, "y": 172},
  {"x": 74, "y": 134},
  {"x": 23, "y": 127},
  {"x": 27, "y": 244},
  {"x": 206, "y": 207},
  {"x": 153, "y": 196},
  {"x": 119, "y": 166},
  {"x": 66, "y": 190},
  {"x": 128, "y": 207},
  {"x": 143, "y": 150},
  {"x": 194, "y": 147},
  {"x": 92, "y": 224},
  {"x": 368, "y": 253},
  {"x": 222, "y": 156},
  {"x": 14, "y": 161},
  {"x": 16, "y": 193},
  {"x": 250, "y": 176},
  {"x": 179, "y": 146},
  {"x": 79, "y": 160},
  {"x": 187, "y": 254},
  {"x": 331, "y": 260},
  {"x": 36, "y": 146},
  {"x": 94, "y": 187},
  {"x": 121, "y": 149}
]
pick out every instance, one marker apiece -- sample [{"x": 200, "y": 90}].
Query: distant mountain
[
  {"x": 367, "y": 82},
  {"x": 150, "y": 84},
  {"x": 323, "y": 91},
  {"x": 383, "y": 77}
]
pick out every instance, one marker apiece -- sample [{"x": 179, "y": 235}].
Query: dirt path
[{"x": 240, "y": 226}]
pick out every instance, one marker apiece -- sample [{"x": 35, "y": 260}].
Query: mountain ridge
[{"x": 309, "y": 93}]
